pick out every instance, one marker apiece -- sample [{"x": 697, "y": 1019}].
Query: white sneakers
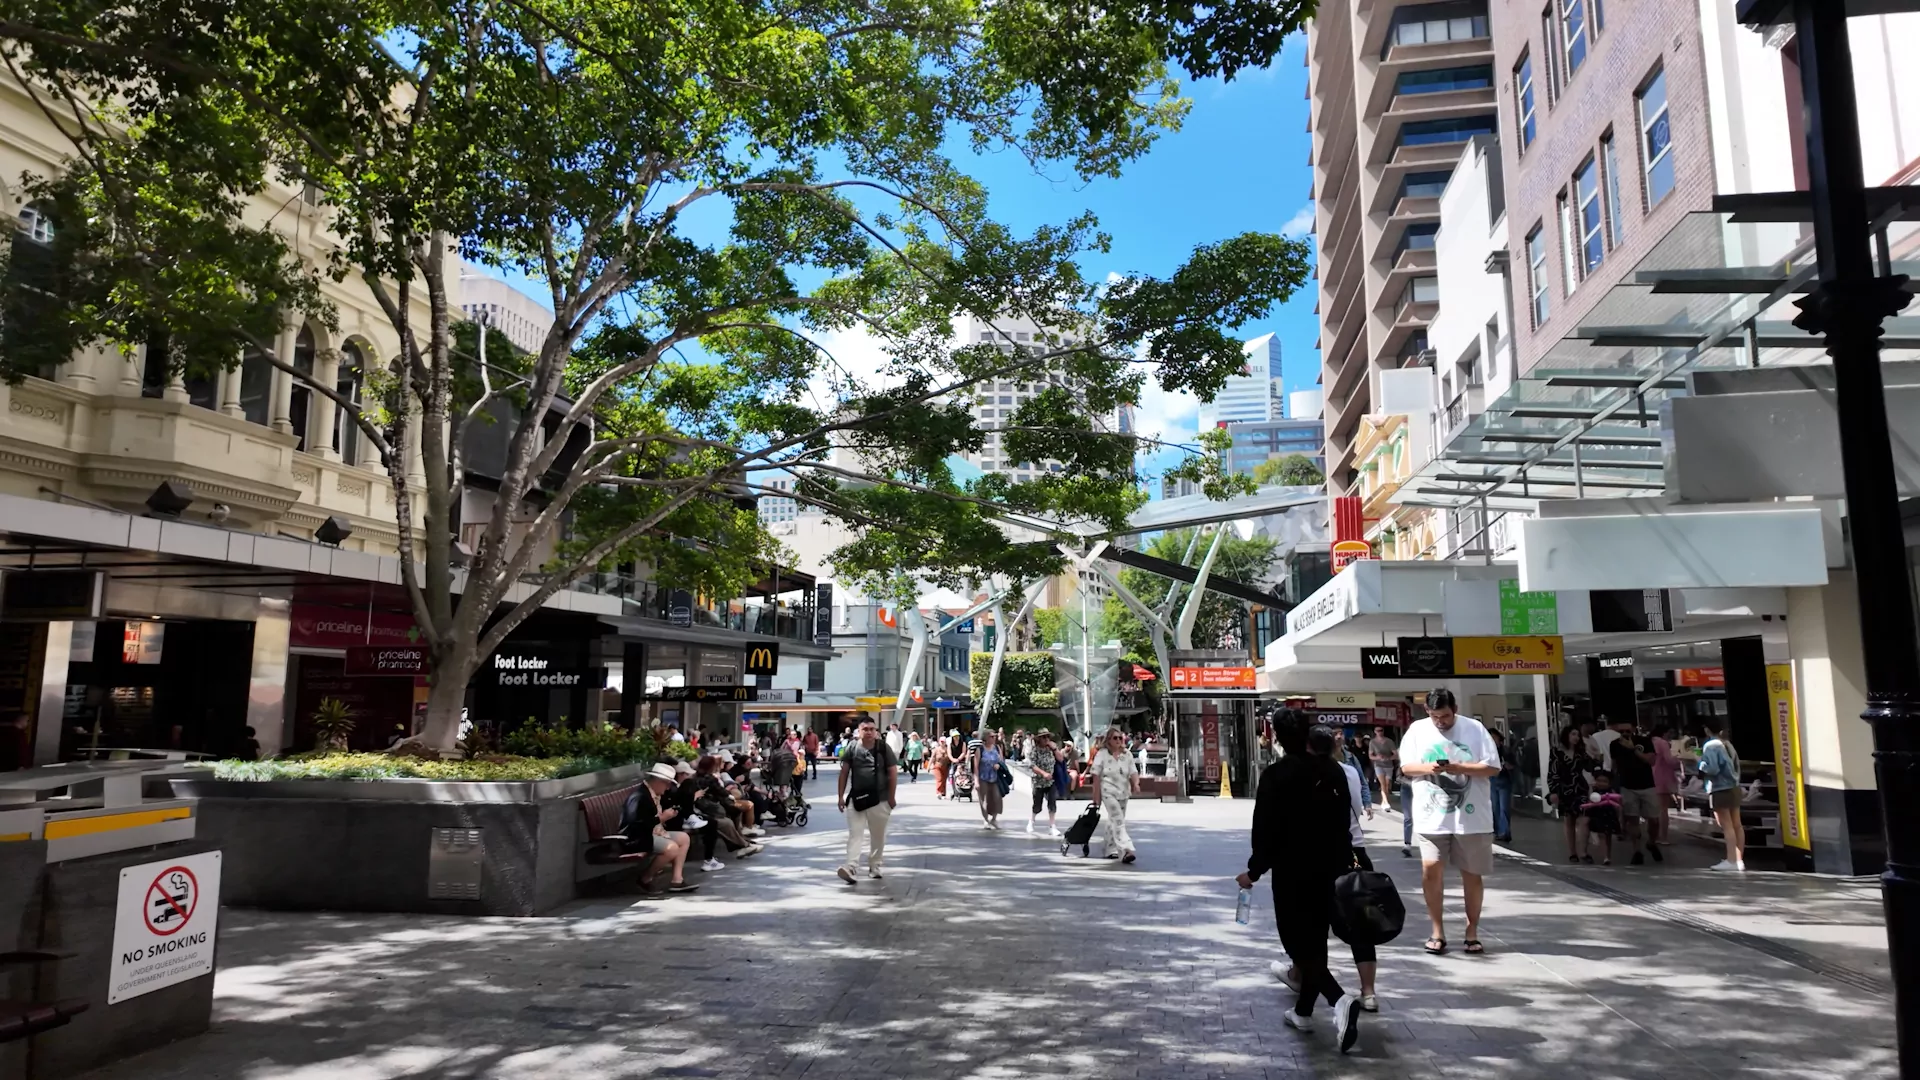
[
  {"x": 846, "y": 875},
  {"x": 1346, "y": 1021},
  {"x": 752, "y": 832},
  {"x": 713, "y": 864},
  {"x": 749, "y": 851},
  {"x": 1029, "y": 826},
  {"x": 1726, "y": 864},
  {"x": 1053, "y": 831},
  {"x": 1281, "y": 971},
  {"x": 1297, "y": 1022}
]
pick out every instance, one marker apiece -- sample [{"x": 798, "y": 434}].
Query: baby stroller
[
  {"x": 961, "y": 781},
  {"x": 796, "y": 808}
]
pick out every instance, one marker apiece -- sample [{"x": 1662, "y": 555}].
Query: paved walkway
[{"x": 987, "y": 955}]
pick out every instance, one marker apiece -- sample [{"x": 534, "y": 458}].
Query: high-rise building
[
  {"x": 1250, "y": 395},
  {"x": 994, "y": 402},
  {"x": 775, "y": 509},
  {"x": 1396, "y": 89},
  {"x": 520, "y": 317},
  {"x": 1260, "y": 441}
]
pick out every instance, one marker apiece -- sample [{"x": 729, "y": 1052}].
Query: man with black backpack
[
  {"x": 869, "y": 782},
  {"x": 1300, "y": 813}
]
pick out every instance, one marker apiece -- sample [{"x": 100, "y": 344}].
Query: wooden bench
[
  {"x": 24, "y": 1019},
  {"x": 602, "y": 846}
]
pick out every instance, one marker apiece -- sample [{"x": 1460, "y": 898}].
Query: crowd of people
[{"x": 687, "y": 811}]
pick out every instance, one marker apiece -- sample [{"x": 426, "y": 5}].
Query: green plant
[
  {"x": 345, "y": 766},
  {"x": 1025, "y": 679},
  {"x": 333, "y": 722},
  {"x": 615, "y": 746},
  {"x": 1294, "y": 470}
]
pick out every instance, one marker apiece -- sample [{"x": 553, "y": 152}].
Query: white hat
[
  {"x": 682, "y": 769},
  {"x": 662, "y": 771},
  {"x": 726, "y": 757}
]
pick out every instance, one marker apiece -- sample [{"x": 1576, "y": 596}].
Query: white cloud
[
  {"x": 1300, "y": 224},
  {"x": 851, "y": 354}
]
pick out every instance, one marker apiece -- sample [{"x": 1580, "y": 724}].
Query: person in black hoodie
[{"x": 1300, "y": 835}]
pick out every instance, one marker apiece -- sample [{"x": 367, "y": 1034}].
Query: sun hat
[
  {"x": 683, "y": 769},
  {"x": 662, "y": 771}
]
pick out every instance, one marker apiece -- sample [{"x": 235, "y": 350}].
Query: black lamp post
[{"x": 1848, "y": 307}]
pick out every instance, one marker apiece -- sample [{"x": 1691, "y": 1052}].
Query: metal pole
[
  {"x": 1848, "y": 307},
  {"x": 1579, "y": 485}
]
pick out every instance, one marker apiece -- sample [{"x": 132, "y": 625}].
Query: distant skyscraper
[
  {"x": 994, "y": 402},
  {"x": 1250, "y": 395}
]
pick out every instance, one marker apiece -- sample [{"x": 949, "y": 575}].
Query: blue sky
[{"x": 1238, "y": 164}]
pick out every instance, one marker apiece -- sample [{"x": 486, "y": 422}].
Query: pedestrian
[
  {"x": 988, "y": 764},
  {"x": 811, "y": 744},
  {"x": 1602, "y": 811},
  {"x": 1720, "y": 770},
  {"x": 1502, "y": 788},
  {"x": 1632, "y": 761},
  {"x": 644, "y": 820},
  {"x": 1381, "y": 752},
  {"x": 1600, "y": 736},
  {"x": 916, "y": 751},
  {"x": 1451, "y": 760},
  {"x": 939, "y": 761},
  {"x": 1300, "y": 833},
  {"x": 1567, "y": 772},
  {"x": 869, "y": 788},
  {"x": 1115, "y": 780},
  {"x": 896, "y": 742},
  {"x": 1366, "y": 958},
  {"x": 1406, "y": 807},
  {"x": 1040, "y": 766},
  {"x": 1666, "y": 781}
]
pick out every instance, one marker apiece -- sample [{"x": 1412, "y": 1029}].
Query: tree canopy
[
  {"x": 1293, "y": 470},
  {"x": 706, "y": 190}
]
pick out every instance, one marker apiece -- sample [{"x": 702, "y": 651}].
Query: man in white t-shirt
[{"x": 1451, "y": 761}]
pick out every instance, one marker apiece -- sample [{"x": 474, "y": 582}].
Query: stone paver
[{"x": 987, "y": 955}]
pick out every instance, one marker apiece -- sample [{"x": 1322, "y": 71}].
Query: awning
[
  {"x": 1717, "y": 291},
  {"x": 1142, "y": 674}
]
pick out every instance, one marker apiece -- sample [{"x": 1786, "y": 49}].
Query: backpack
[{"x": 1367, "y": 908}]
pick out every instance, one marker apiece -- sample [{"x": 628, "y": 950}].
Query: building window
[
  {"x": 36, "y": 224},
  {"x": 1549, "y": 38},
  {"x": 1428, "y": 24},
  {"x": 1610, "y": 165},
  {"x": 1444, "y": 79},
  {"x": 1424, "y": 185},
  {"x": 346, "y": 433},
  {"x": 1573, "y": 29},
  {"x": 1523, "y": 78},
  {"x": 816, "y": 675},
  {"x": 1420, "y": 237},
  {"x": 1656, "y": 138},
  {"x": 1460, "y": 129},
  {"x": 1593, "y": 242},
  {"x": 1537, "y": 274},
  {"x": 256, "y": 386},
  {"x": 300, "y": 397},
  {"x": 1569, "y": 261}
]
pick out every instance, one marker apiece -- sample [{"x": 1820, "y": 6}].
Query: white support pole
[
  {"x": 910, "y": 670},
  {"x": 1004, "y": 634},
  {"x": 1183, "y": 633}
]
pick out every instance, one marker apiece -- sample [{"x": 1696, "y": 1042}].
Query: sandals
[
  {"x": 1474, "y": 948},
  {"x": 1436, "y": 946}
]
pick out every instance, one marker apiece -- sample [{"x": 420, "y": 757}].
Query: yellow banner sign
[
  {"x": 871, "y": 704},
  {"x": 1784, "y": 719},
  {"x": 1508, "y": 656}
]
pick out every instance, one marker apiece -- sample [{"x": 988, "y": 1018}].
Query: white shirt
[
  {"x": 1356, "y": 802},
  {"x": 1602, "y": 742},
  {"x": 896, "y": 742},
  {"x": 1116, "y": 773},
  {"x": 1451, "y": 804}
]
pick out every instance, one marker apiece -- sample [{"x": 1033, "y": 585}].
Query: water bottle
[{"x": 1243, "y": 910}]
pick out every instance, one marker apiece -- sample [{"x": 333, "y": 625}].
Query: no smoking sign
[{"x": 164, "y": 924}]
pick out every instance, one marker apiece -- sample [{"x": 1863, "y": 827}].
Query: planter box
[{"x": 370, "y": 845}]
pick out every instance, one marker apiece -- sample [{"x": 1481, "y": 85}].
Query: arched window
[
  {"x": 36, "y": 224},
  {"x": 256, "y": 386},
  {"x": 300, "y": 402},
  {"x": 352, "y": 378}
]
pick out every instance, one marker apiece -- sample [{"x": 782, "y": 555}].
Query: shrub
[
  {"x": 345, "y": 766},
  {"x": 612, "y": 745}
]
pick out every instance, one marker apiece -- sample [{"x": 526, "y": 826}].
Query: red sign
[
  {"x": 170, "y": 900},
  {"x": 387, "y": 660},
  {"x": 1204, "y": 678},
  {"x": 319, "y": 626},
  {"x": 1712, "y": 677},
  {"x": 1210, "y": 746},
  {"x": 1348, "y": 520}
]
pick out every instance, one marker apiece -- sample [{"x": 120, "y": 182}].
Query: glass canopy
[{"x": 1716, "y": 292}]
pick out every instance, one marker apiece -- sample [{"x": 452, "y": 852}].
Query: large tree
[{"x": 707, "y": 189}]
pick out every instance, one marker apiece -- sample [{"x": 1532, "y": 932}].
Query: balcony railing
[{"x": 650, "y": 600}]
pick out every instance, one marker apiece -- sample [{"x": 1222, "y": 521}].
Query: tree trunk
[{"x": 447, "y": 698}]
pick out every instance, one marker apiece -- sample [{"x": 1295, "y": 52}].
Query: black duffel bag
[{"x": 1367, "y": 908}]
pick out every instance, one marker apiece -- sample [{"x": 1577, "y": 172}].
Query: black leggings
[
  {"x": 1362, "y": 953},
  {"x": 1045, "y": 795},
  {"x": 1303, "y": 912}
]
